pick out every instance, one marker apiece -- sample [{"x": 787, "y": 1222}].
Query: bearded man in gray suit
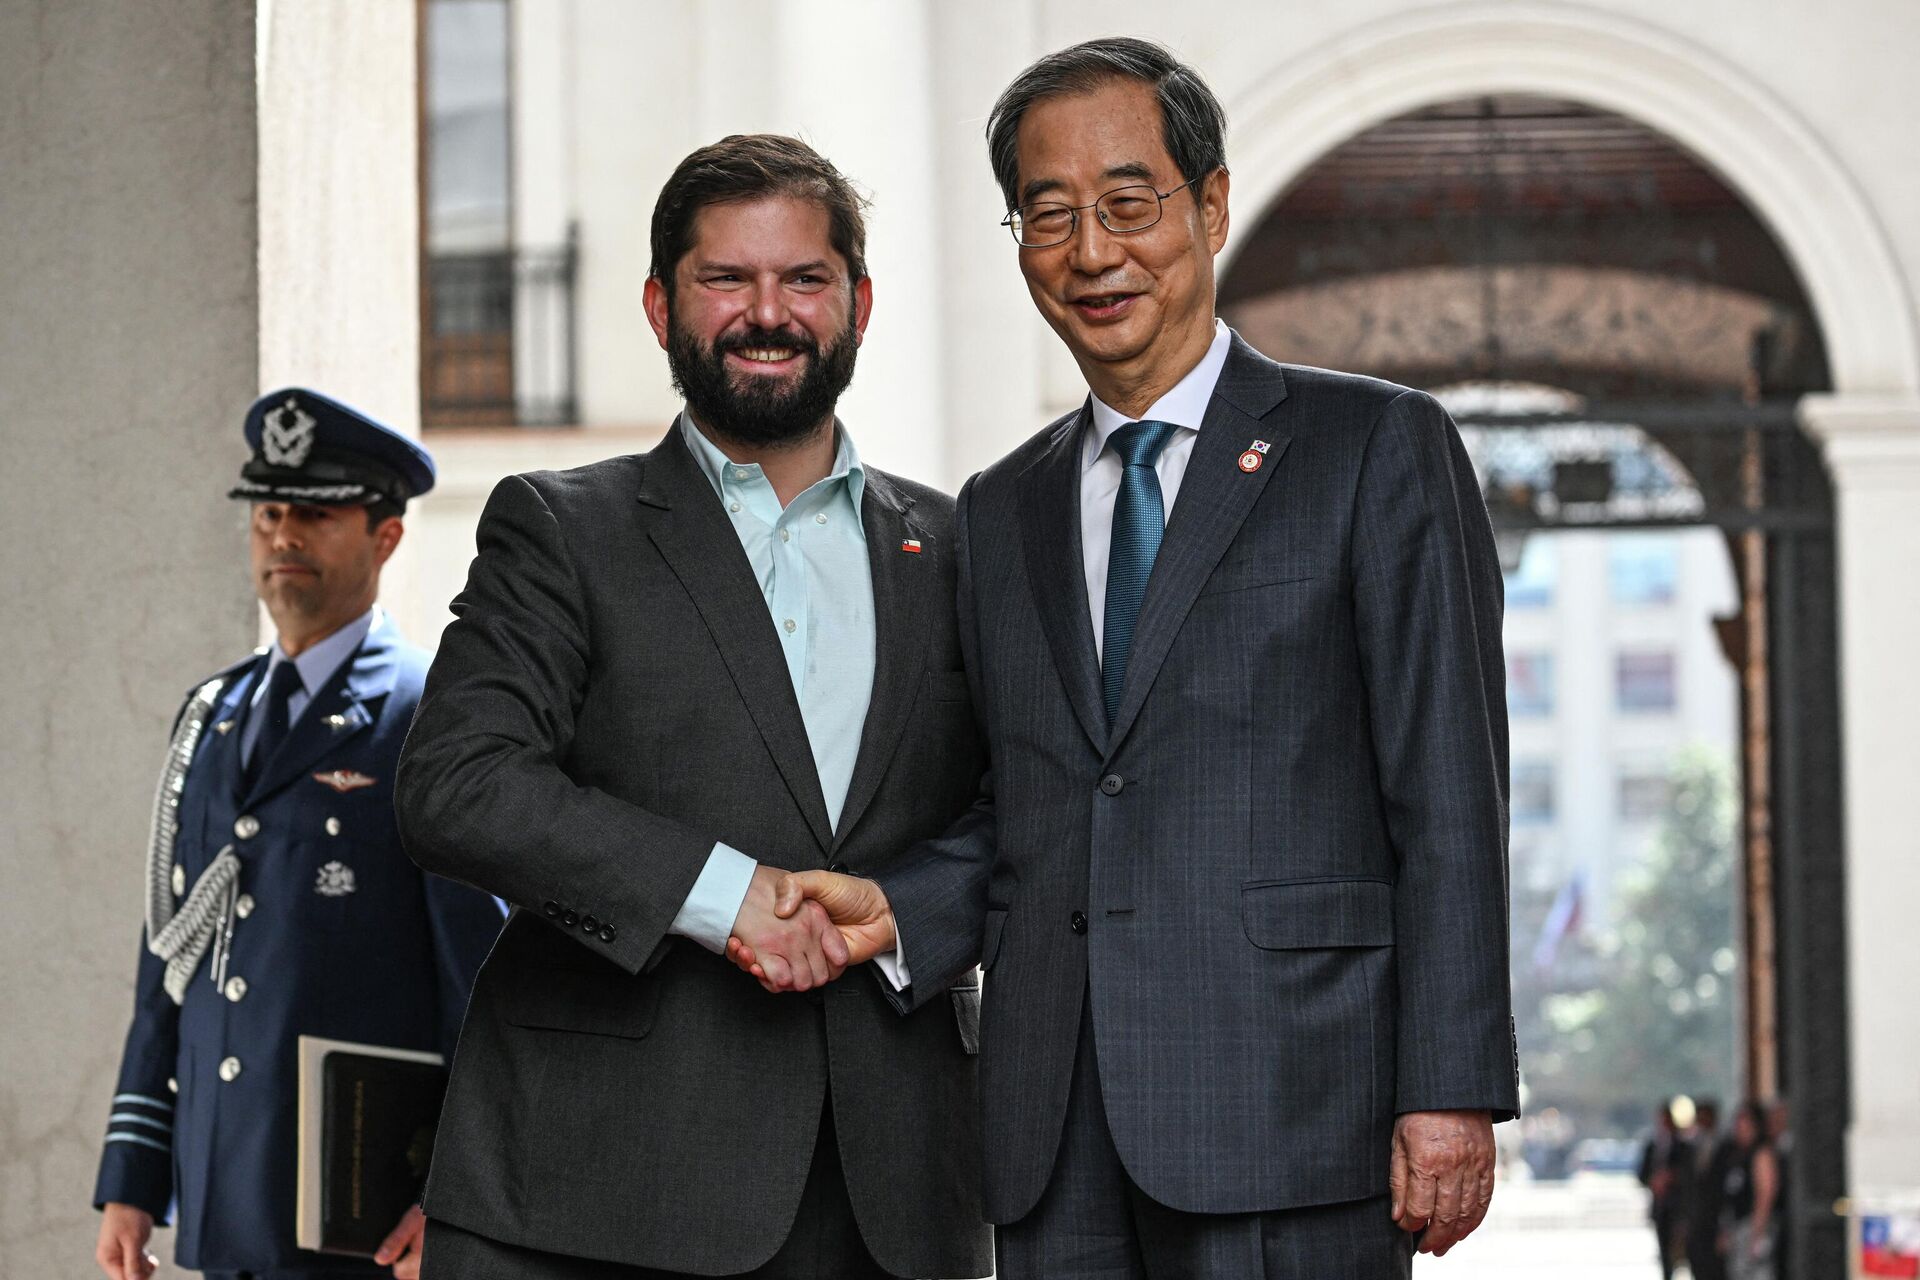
[
  {"x": 1238, "y": 879},
  {"x": 670, "y": 676}
]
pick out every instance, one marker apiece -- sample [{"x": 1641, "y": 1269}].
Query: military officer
[{"x": 279, "y": 901}]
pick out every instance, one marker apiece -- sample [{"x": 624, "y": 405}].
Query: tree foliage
[{"x": 1652, "y": 1012}]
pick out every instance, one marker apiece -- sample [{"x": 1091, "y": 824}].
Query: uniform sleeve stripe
[
  {"x": 145, "y": 1142},
  {"x": 162, "y": 1103},
  {"x": 131, "y": 1117}
]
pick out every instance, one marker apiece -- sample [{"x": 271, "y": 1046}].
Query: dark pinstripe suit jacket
[
  {"x": 611, "y": 700},
  {"x": 1281, "y": 876}
]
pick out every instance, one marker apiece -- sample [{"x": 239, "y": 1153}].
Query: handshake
[{"x": 801, "y": 929}]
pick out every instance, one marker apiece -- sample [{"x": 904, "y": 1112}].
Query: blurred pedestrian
[
  {"x": 1702, "y": 1192},
  {"x": 1780, "y": 1129},
  {"x": 1751, "y": 1191},
  {"x": 278, "y": 900},
  {"x": 1660, "y": 1158}
]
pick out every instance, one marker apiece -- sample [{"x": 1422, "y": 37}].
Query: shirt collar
[
  {"x": 1185, "y": 405},
  {"x": 318, "y": 662},
  {"x": 723, "y": 473}
]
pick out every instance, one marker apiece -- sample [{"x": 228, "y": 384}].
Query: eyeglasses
[{"x": 1123, "y": 211}]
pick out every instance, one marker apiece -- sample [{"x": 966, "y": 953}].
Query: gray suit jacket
[
  {"x": 1281, "y": 876},
  {"x": 610, "y": 701}
]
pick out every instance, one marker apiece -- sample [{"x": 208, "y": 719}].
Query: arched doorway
[{"x": 1624, "y": 341}]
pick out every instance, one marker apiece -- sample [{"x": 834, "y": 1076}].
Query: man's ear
[
  {"x": 658, "y": 306},
  {"x": 386, "y": 537},
  {"x": 862, "y": 308},
  {"x": 1213, "y": 208}
]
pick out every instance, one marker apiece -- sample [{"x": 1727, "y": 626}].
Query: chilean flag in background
[
  {"x": 1890, "y": 1246},
  {"x": 1561, "y": 922}
]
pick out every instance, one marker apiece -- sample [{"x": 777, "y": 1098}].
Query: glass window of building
[
  {"x": 1645, "y": 794},
  {"x": 1531, "y": 585},
  {"x": 1643, "y": 568},
  {"x": 1530, "y": 684},
  {"x": 1645, "y": 682},
  {"x": 1533, "y": 791}
]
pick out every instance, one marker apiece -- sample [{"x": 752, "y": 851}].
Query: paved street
[{"x": 1593, "y": 1227}]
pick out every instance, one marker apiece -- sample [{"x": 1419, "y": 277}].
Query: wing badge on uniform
[
  {"x": 345, "y": 780},
  {"x": 334, "y": 880}
]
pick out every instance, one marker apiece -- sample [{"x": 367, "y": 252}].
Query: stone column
[
  {"x": 1872, "y": 446},
  {"x": 203, "y": 198}
]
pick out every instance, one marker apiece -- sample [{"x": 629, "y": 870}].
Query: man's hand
[
  {"x": 122, "y": 1251},
  {"x": 862, "y": 917},
  {"x": 1442, "y": 1176},
  {"x": 401, "y": 1249},
  {"x": 792, "y": 950}
]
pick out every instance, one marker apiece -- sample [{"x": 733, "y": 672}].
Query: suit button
[
  {"x": 230, "y": 1069},
  {"x": 236, "y": 989},
  {"x": 551, "y": 907},
  {"x": 1112, "y": 785},
  {"x": 1077, "y": 922},
  {"x": 246, "y": 826},
  {"x": 590, "y": 924},
  {"x": 569, "y": 918},
  {"x": 243, "y": 905},
  {"x": 840, "y": 869},
  {"x": 179, "y": 879},
  {"x": 608, "y": 933}
]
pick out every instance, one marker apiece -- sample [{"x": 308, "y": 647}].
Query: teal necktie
[{"x": 1139, "y": 520}]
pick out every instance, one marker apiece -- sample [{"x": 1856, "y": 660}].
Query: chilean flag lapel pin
[{"x": 911, "y": 545}]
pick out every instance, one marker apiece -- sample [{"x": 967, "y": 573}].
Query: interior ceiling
[{"x": 1533, "y": 153}]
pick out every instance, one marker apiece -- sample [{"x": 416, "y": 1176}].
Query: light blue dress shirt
[
  {"x": 316, "y": 664},
  {"x": 810, "y": 559}
]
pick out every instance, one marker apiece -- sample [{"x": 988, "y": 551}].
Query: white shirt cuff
[
  {"x": 714, "y": 904},
  {"x": 893, "y": 964}
]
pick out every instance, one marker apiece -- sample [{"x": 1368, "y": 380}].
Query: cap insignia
[{"x": 286, "y": 435}]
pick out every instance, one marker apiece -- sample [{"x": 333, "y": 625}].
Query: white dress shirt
[{"x": 1185, "y": 406}]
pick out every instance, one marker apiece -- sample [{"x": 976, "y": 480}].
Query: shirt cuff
[
  {"x": 714, "y": 904},
  {"x": 893, "y": 965}
]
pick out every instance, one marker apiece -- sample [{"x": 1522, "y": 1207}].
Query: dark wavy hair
[{"x": 753, "y": 166}]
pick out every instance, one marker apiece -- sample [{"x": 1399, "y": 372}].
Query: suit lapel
[
  {"x": 1056, "y": 571},
  {"x": 1215, "y": 497},
  {"x": 704, "y": 552},
  {"x": 901, "y": 583},
  {"x": 337, "y": 713}
]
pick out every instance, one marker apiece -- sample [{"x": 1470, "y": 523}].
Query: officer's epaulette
[{"x": 223, "y": 677}]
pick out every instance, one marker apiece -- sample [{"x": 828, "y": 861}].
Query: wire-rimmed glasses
[{"x": 1041, "y": 224}]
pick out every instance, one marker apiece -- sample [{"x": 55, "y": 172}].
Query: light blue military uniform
[{"x": 282, "y": 908}]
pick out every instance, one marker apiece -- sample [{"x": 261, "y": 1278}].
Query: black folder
[{"x": 367, "y": 1117}]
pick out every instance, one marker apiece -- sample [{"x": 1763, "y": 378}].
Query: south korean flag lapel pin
[{"x": 1256, "y": 454}]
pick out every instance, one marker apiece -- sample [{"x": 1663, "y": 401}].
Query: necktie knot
[
  {"x": 285, "y": 682},
  {"x": 1139, "y": 443}
]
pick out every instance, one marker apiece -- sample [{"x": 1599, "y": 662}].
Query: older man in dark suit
[
  {"x": 1239, "y": 878},
  {"x": 670, "y": 676}
]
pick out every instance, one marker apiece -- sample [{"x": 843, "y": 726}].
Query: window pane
[
  {"x": 1643, "y": 568},
  {"x": 1645, "y": 795},
  {"x": 1530, "y": 684},
  {"x": 1644, "y": 682},
  {"x": 1531, "y": 585},
  {"x": 1533, "y": 791}
]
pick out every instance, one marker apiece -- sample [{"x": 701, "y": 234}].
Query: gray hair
[{"x": 1193, "y": 124}]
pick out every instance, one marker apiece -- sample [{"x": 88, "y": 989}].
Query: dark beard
[{"x": 766, "y": 412}]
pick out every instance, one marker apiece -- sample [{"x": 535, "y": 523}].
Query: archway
[{"x": 1624, "y": 339}]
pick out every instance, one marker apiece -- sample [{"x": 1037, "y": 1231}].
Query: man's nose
[
  {"x": 1093, "y": 248},
  {"x": 767, "y": 308}
]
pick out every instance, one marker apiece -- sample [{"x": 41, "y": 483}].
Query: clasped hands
[{"x": 801, "y": 930}]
